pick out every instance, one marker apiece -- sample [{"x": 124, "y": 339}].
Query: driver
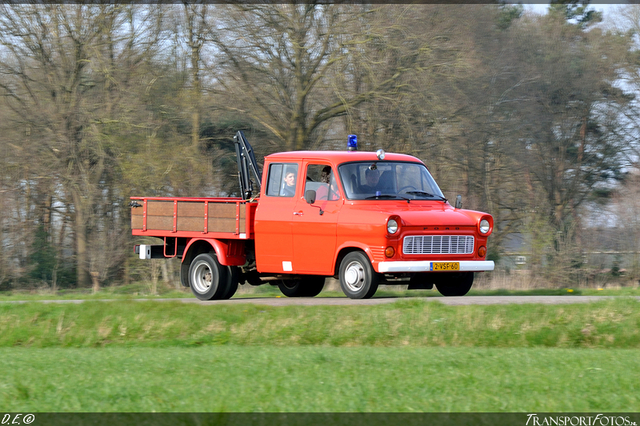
[
  {"x": 372, "y": 177},
  {"x": 289, "y": 188}
]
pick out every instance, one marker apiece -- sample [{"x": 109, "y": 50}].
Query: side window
[
  {"x": 334, "y": 192},
  {"x": 322, "y": 179},
  {"x": 282, "y": 181}
]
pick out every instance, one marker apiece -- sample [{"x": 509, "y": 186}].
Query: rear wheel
[
  {"x": 357, "y": 277},
  {"x": 308, "y": 286},
  {"x": 314, "y": 285},
  {"x": 457, "y": 284},
  {"x": 207, "y": 278}
]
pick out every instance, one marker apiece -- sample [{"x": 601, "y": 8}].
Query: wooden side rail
[{"x": 203, "y": 216}]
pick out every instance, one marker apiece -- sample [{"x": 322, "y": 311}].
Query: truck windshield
[{"x": 388, "y": 180}]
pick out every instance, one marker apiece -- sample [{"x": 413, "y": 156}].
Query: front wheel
[
  {"x": 357, "y": 277},
  {"x": 455, "y": 284},
  {"x": 207, "y": 278}
]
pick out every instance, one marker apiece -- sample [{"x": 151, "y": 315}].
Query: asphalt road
[{"x": 342, "y": 301}]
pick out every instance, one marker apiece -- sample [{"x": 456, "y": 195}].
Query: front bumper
[{"x": 427, "y": 266}]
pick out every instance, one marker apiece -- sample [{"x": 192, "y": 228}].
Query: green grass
[
  {"x": 408, "y": 356},
  {"x": 622, "y": 291},
  {"x": 576, "y": 291},
  {"x": 132, "y": 291},
  {"x": 141, "y": 291},
  {"x": 311, "y": 379},
  {"x": 406, "y": 322}
]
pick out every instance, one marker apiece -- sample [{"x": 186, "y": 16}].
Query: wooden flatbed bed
[{"x": 228, "y": 218}]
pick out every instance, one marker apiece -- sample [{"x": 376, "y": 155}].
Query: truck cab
[{"x": 366, "y": 218}]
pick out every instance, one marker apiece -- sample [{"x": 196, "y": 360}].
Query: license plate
[{"x": 445, "y": 266}]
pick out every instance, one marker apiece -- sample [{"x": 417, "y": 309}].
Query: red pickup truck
[{"x": 365, "y": 218}]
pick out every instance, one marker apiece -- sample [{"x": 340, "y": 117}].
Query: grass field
[
  {"x": 411, "y": 355},
  {"x": 413, "y": 322},
  {"x": 311, "y": 379}
]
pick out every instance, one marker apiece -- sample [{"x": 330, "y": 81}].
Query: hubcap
[
  {"x": 202, "y": 277},
  {"x": 354, "y": 276}
]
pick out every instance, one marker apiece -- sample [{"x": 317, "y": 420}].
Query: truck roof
[{"x": 338, "y": 157}]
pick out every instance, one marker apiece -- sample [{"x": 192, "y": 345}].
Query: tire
[
  {"x": 232, "y": 282},
  {"x": 357, "y": 277},
  {"x": 457, "y": 285},
  {"x": 184, "y": 274},
  {"x": 313, "y": 285},
  {"x": 309, "y": 286},
  {"x": 207, "y": 278}
]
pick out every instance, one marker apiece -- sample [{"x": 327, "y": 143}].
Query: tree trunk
[
  {"x": 96, "y": 282},
  {"x": 154, "y": 276},
  {"x": 126, "y": 271},
  {"x": 165, "y": 272},
  {"x": 80, "y": 240}
]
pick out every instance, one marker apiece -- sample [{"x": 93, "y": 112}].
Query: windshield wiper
[
  {"x": 374, "y": 197},
  {"x": 427, "y": 194},
  {"x": 387, "y": 197}
]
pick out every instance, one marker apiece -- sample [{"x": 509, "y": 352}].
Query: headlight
[
  {"x": 392, "y": 226},
  {"x": 484, "y": 226}
]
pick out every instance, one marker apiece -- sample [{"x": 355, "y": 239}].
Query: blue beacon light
[{"x": 352, "y": 144}]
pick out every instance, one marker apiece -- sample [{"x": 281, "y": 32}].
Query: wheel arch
[
  {"x": 345, "y": 251},
  {"x": 228, "y": 253}
]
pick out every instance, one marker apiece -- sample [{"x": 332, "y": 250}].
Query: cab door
[
  {"x": 274, "y": 218},
  {"x": 314, "y": 225}
]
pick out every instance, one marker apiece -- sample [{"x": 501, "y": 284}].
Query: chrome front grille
[{"x": 438, "y": 244}]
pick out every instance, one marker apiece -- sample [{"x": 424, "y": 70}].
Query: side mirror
[
  {"x": 310, "y": 196},
  {"x": 458, "y": 202}
]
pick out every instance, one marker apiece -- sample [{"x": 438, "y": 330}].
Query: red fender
[
  {"x": 357, "y": 245},
  {"x": 228, "y": 252}
]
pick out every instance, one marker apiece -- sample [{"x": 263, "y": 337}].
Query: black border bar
[{"x": 322, "y": 419}]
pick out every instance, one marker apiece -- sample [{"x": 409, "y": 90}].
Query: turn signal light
[
  {"x": 482, "y": 251},
  {"x": 389, "y": 251}
]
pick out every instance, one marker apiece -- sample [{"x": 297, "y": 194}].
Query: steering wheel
[{"x": 407, "y": 187}]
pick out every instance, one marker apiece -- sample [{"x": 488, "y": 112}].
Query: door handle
[{"x": 300, "y": 213}]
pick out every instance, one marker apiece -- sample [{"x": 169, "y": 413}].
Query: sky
[{"x": 607, "y": 9}]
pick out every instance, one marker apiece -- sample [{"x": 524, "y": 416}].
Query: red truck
[{"x": 365, "y": 218}]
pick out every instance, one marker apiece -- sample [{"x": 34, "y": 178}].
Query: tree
[
  {"x": 566, "y": 142},
  {"x": 480, "y": 154},
  {"x": 280, "y": 60},
  {"x": 628, "y": 26},
  {"x": 66, "y": 70},
  {"x": 453, "y": 109}
]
